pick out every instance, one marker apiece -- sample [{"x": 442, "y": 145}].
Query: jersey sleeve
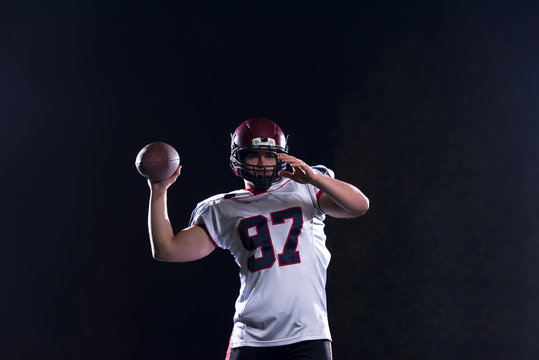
[
  {"x": 315, "y": 192},
  {"x": 207, "y": 215}
]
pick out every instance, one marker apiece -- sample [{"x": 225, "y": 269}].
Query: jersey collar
[{"x": 273, "y": 187}]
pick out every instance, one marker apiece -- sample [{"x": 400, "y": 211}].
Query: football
[{"x": 157, "y": 161}]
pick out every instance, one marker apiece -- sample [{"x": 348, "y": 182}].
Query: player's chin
[{"x": 262, "y": 174}]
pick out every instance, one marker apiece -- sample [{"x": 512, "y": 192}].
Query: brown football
[{"x": 157, "y": 161}]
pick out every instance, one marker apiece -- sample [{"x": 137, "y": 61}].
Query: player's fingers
[
  {"x": 294, "y": 163},
  {"x": 285, "y": 174},
  {"x": 287, "y": 158},
  {"x": 174, "y": 176},
  {"x": 299, "y": 166},
  {"x": 167, "y": 182}
]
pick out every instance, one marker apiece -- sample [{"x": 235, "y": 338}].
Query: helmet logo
[{"x": 263, "y": 141}]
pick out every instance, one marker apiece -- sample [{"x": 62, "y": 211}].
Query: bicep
[
  {"x": 331, "y": 208},
  {"x": 192, "y": 243}
]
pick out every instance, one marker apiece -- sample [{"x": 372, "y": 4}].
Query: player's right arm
[{"x": 192, "y": 243}]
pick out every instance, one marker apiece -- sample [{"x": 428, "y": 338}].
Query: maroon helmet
[{"x": 252, "y": 135}]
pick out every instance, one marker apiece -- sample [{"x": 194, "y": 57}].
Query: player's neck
[{"x": 249, "y": 186}]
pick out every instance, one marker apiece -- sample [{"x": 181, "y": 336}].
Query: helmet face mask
[
  {"x": 257, "y": 135},
  {"x": 262, "y": 176}
]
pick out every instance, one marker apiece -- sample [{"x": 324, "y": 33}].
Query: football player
[{"x": 274, "y": 228}]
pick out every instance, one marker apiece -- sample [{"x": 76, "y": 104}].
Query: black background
[{"x": 431, "y": 271}]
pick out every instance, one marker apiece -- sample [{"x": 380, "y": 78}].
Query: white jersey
[{"x": 277, "y": 238}]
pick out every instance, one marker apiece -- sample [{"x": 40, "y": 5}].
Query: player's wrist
[
  {"x": 158, "y": 191},
  {"x": 317, "y": 180}
]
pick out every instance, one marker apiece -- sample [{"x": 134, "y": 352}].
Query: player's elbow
[
  {"x": 365, "y": 205},
  {"x": 160, "y": 256},
  {"x": 169, "y": 258},
  {"x": 182, "y": 255},
  {"x": 360, "y": 208}
]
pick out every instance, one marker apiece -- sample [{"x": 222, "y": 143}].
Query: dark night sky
[{"x": 85, "y": 84}]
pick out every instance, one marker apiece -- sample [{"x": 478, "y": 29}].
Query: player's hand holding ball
[{"x": 159, "y": 162}]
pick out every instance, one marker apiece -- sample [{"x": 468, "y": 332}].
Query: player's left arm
[{"x": 339, "y": 199}]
